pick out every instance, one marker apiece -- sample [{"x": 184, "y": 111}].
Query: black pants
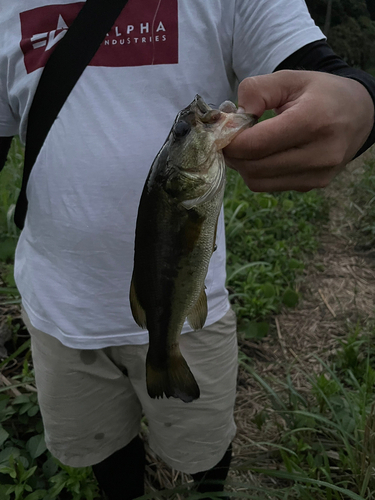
[{"x": 121, "y": 476}]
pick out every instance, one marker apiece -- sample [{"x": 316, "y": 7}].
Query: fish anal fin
[
  {"x": 198, "y": 314},
  {"x": 174, "y": 379},
  {"x": 138, "y": 312}
]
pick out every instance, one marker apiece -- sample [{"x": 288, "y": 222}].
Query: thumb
[{"x": 260, "y": 93}]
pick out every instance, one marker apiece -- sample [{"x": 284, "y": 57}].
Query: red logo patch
[{"x": 145, "y": 33}]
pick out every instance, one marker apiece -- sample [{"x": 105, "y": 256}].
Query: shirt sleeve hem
[{"x": 9, "y": 131}]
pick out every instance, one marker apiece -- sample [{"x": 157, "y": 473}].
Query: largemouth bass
[{"x": 175, "y": 237}]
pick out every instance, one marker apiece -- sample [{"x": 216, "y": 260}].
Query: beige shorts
[{"x": 92, "y": 401}]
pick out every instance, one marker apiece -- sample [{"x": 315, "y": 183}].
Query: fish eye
[{"x": 181, "y": 129}]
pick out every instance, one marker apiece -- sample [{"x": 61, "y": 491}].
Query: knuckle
[
  {"x": 335, "y": 158},
  {"x": 255, "y": 185},
  {"x": 322, "y": 182}
]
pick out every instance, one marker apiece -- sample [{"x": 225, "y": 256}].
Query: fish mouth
[
  {"x": 200, "y": 104},
  {"x": 227, "y": 113},
  {"x": 206, "y": 114},
  {"x": 198, "y": 110},
  {"x": 228, "y": 122},
  {"x": 225, "y": 124}
]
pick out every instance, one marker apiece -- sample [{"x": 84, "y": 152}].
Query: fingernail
[{"x": 240, "y": 109}]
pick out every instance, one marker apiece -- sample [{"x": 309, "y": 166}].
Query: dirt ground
[{"x": 337, "y": 289}]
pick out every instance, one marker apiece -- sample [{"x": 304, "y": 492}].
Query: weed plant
[
  {"x": 326, "y": 447},
  {"x": 27, "y": 469},
  {"x": 364, "y": 205},
  {"x": 10, "y": 184},
  {"x": 269, "y": 237}
]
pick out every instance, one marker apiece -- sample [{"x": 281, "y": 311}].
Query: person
[{"x": 74, "y": 257}]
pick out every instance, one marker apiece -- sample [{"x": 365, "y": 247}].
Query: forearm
[{"x": 318, "y": 56}]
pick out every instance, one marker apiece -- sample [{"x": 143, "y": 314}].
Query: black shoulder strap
[
  {"x": 5, "y": 143},
  {"x": 61, "y": 72}
]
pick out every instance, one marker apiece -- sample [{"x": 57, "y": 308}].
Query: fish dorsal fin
[
  {"x": 138, "y": 312},
  {"x": 215, "y": 186},
  {"x": 198, "y": 314}
]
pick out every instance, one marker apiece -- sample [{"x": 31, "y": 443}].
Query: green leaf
[
  {"x": 39, "y": 427},
  {"x": 3, "y": 435},
  {"x": 8, "y": 278},
  {"x": 303, "y": 479},
  {"x": 50, "y": 467},
  {"x": 20, "y": 400},
  {"x": 36, "y": 495},
  {"x": 268, "y": 290},
  {"x": 33, "y": 411},
  {"x": 36, "y": 446},
  {"x": 262, "y": 328},
  {"x": 23, "y": 419},
  {"x": 8, "y": 470},
  {"x": 249, "y": 329},
  {"x": 28, "y": 473},
  {"x": 23, "y": 347},
  {"x": 3, "y": 492},
  {"x": 23, "y": 461},
  {"x": 295, "y": 264},
  {"x": 6, "y": 453},
  {"x": 290, "y": 298},
  {"x": 288, "y": 204},
  {"x": 247, "y": 266},
  {"x": 254, "y": 329},
  {"x": 18, "y": 490},
  {"x": 25, "y": 408},
  {"x": 9, "y": 291}
]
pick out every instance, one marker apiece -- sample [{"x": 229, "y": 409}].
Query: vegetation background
[
  {"x": 301, "y": 276},
  {"x": 350, "y": 28}
]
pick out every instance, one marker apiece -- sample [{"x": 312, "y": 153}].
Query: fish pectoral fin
[
  {"x": 138, "y": 312},
  {"x": 198, "y": 315},
  {"x": 174, "y": 379}
]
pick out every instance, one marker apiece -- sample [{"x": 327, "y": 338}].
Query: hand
[{"x": 322, "y": 121}]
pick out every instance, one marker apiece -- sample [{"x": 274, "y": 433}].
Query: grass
[
  {"x": 363, "y": 206},
  {"x": 269, "y": 238},
  {"x": 11, "y": 178},
  {"x": 326, "y": 447},
  {"x": 10, "y": 184}
]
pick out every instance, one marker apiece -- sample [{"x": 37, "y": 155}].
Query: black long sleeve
[{"x": 318, "y": 56}]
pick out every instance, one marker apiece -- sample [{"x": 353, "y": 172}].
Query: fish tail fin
[{"x": 174, "y": 379}]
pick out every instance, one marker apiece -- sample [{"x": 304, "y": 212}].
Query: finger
[
  {"x": 299, "y": 120},
  {"x": 259, "y": 93},
  {"x": 302, "y": 182},
  {"x": 285, "y": 131},
  {"x": 296, "y": 160}
]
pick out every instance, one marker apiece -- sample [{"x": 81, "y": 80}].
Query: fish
[{"x": 175, "y": 238}]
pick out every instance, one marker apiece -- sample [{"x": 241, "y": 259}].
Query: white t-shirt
[{"x": 75, "y": 255}]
